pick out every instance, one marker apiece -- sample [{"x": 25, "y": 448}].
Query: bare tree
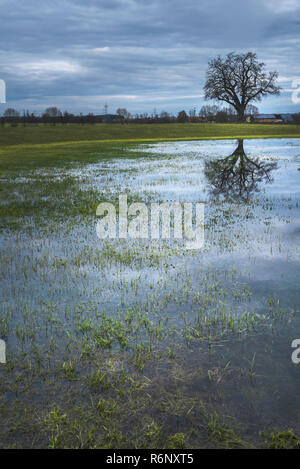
[
  {"x": 221, "y": 116},
  {"x": 123, "y": 113},
  {"x": 52, "y": 112},
  {"x": 164, "y": 117},
  {"x": 251, "y": 110},
  {"x": 239, "y": 79},
  {"x": 208, "y": 112},
  {"x": 10, "y": 112},
  {"x": 296, "y": 118},
  {"x": 182, "y": 116}
]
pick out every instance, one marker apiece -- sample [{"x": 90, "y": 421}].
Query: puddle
[{"x": 62, "y": 288}]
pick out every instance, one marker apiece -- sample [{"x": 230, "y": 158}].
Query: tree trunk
[
  {"x": 241, "y": 115},
  {"x": 240, "y": 110},
  {"x": 240, "y": 148}
]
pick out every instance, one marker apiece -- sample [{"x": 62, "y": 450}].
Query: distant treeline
[{"x": 53, "y": 116}]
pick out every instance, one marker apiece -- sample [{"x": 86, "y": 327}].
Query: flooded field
[{"x": 142, "y": 343}]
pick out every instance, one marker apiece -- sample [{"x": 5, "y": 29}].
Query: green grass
[
  {"x": 15, "y": 159},
  {"x": 284, "y": 440},
  {"x": 36, "y": 146},
  {"x": 39, "y": 134}
]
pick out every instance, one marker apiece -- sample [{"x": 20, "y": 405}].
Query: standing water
[{"x": 141, "y": 342}]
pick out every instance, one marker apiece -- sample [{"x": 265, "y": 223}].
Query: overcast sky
[{"x": 138, "y": 54}]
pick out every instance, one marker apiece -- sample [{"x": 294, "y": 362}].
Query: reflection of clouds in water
[
  {"x": 176, "y": 169},
  {"x": 252, "y": 237},
  {"x": 264, "y": 148}
]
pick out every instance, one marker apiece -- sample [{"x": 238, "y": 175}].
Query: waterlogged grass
[
  {"x": 284, "y": 440},
  {"x": 138, "y": 344}
]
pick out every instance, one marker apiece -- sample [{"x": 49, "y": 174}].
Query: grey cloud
[{"x": 153, "y": 50}]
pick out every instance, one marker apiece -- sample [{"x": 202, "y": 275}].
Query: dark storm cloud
[{"x": 138, "y": 54}]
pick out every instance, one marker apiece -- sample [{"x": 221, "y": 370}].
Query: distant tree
[
  {"x": 221, "y": 116},
  {"x": 231, "y": 113},
  {"x": 123, "y": 113},
  {"x": 164, "y": 117},
  {"x": 208, "y": 112},
  {"x": 193, "y": 115},
  {"x": 251, "y": 110},
  {"x": 296, "y": 118},
  {"x": 10, "y": 112},
  {"x": 52, "y": 111},
  {"x": 238, "y": 80},
  {"x": 51, "y": 115},
  {"x": 182, "y": 116},
  {"x": 27, "y": 117},
  {"x": 90, "y": 118}
]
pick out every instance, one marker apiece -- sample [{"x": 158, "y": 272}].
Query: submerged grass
[{"x": 117, "y": 345}]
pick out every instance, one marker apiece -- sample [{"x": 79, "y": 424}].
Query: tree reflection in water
[{"x": 237, "y": 176}]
